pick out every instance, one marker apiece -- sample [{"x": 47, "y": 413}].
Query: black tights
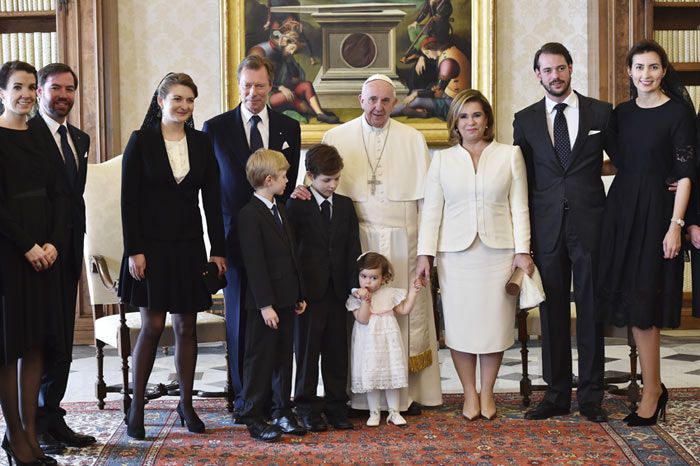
[
  {"x": 152, "y": 324},
  {"x": 19, "y": 405}
]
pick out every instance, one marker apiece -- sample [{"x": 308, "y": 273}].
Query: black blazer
[
  {"x": 551, "y": 188},
  {"x": 155, "y": 207},
  {"x": 323, "y": 252},
  {"x": 76, "y": 214},
  {"x": 268, "y": 257},
  {"x": 231, "y": 148}
]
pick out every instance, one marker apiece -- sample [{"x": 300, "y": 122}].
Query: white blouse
[{"x": 178, "y": 157}]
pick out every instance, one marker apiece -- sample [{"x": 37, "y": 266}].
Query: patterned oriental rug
[{"x": 439, "y": 436}]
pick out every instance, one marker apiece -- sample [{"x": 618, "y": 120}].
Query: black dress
[
  {"x": 33, "y": 209},
  {"x": 161, "y": 219},
  {"x": 652, "y": 147}
]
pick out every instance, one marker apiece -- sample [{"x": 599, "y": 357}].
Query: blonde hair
[
  {"x": 264, "y": 162},
  {"x": 466, "y": 96}
]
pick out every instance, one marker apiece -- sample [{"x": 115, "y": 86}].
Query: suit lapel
[
  {"x": 276, "y": 138},
  {"x": 266, "y": 215},
  {"x": 50, "y": 143},
  {"x": 240, "y": 151},
  {"x": 81, "y": 149},
  {"x": 584, "y": 124}
]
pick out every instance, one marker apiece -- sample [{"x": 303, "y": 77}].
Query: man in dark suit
[
  {"x": 69, "y": 147},
  {"x": 328, "y": 244},
  {"x": 236, "y": 134},
  {"x": 562, "y": 139}
]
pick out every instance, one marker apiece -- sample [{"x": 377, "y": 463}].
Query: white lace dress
[{"x": 377, "y": 356}]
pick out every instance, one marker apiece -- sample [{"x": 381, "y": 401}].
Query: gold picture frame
[{"x": 233, "y": 48}]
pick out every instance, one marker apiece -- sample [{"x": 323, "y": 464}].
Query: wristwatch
[{"x": 678, "y": 221}]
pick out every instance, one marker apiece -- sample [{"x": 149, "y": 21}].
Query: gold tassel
[{"x": 420, "y": 361}]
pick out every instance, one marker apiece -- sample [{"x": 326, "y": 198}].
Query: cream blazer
[{"x": 460, "y": 203}]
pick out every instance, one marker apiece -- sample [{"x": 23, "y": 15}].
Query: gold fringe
[{"x": 420, "y": 361}]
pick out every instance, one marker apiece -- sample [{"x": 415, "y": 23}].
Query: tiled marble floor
[{"x": 680, "y": 366}]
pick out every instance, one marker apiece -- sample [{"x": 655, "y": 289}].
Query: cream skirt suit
[{"x": 474, "y": 222}]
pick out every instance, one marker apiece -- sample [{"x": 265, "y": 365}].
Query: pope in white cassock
[{"x": 386, "y": 163}]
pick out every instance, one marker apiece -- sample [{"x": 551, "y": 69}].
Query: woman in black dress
[
  {"x": 33, "y": 207},
  {"x": 654, "y": 146},
  {"x": 165, "y": 166}
]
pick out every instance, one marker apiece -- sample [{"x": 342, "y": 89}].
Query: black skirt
[{"x": 173, "y": 280}]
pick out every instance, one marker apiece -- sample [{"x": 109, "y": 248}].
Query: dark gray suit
[{"x": 566, "y": 207}]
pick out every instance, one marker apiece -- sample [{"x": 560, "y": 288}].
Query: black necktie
[
  {"x": 278, "y": 219},
  {"x": 326, "y": 211},
  {"x": 562, "y": 143},
  {"x": 256, "y": 141},
  {"x": 68, "y": 156}
]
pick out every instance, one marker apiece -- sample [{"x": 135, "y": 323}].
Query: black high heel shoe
[
  {"x": 12, "y": 458},
  {"x": 193, "y": 425},
  {"x": 659, "y": 414},
  {"x": 137, "y": 432}
]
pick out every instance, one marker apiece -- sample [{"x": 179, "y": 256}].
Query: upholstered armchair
[{"x": 103, "y": 254}]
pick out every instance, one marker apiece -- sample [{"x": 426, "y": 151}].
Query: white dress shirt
[
  {"x": 263, "y": 125},
  {"x": 53, "y": 127},
  {"x": 570, "y": 112},
  {"x": 268, "y": 204}
]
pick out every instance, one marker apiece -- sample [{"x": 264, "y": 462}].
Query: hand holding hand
[
  {"x": 419, "y": 283},
  {"x": 51, "y": 253},
  {"x": 270, "y": 317},
  {"x": 301, "y": 192},
  {"x": 37, "y": 257}
]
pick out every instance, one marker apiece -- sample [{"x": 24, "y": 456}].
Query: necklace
[{"x": 373, "y": 182}]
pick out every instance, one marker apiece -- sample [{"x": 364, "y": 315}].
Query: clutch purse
[
  {"x": 528, "y": 288},
  {"x": 211, "y": 279}
]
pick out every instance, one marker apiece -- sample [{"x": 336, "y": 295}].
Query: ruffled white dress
[{"x": 377, "y": 358}]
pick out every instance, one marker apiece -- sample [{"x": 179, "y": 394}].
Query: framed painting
[{"x": 323, "y": 50}]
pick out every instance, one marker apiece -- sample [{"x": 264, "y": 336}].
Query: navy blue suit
[{"x": 232, "y": 151}]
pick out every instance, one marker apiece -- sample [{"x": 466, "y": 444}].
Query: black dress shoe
[
  {"x": 339, "y": 421},
  {"x": 313, "y": 422},
  {"x": 414, "y": 409},
  {"x": 260, "y": 430},
  {"x": 594, "y": 412},
  {"x": 545, "y": 410},
  {"x": 49, "y": 445},
  {"x": 288, "y": 425},
  {"x": 65, "y": 434}
]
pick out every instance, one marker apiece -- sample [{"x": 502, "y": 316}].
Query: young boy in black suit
[
  {"x": 273, "y": 297},
  {"x": 328, "y": 244}
]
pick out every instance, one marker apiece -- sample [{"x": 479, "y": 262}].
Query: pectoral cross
[{"x": 373, "y": 182}]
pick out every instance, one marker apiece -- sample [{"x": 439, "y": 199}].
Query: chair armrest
[{"x": 98, "y": 265}]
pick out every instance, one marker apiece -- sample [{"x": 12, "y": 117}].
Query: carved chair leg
[
  {"x": 633, "y": 387},
  {"x": 124, "y": 350},
  {"x": 100, "y": 386},
  {"x": 523, "y": 338}
]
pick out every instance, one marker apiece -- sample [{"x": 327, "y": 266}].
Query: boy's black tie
[
  {"x": 278, "y": 219},
  {"x": 326, "y": 211}
]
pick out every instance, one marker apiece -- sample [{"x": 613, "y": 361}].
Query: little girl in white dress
[{"x": 378, "y": 361}]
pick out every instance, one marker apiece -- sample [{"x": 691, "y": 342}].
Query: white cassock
[{"x": 389, "y": 220}]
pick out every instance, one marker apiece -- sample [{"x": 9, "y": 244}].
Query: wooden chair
[
  {"x": 528, "y": 324},
  {"x": 103, "y": 255}
]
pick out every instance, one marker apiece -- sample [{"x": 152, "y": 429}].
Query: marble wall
[{"x": 158, "y": 36}]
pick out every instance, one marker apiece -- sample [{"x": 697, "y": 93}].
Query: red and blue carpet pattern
[{"x": 439, "y": 436}]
